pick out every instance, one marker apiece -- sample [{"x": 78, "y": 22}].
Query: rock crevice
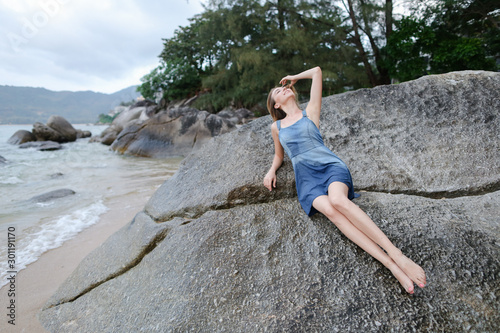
[
  {"x": 133, "y": 262},
  {"x": 130, "y": 253}
]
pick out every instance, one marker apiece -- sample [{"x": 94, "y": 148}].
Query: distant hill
[{"x": 26, "y": 105}]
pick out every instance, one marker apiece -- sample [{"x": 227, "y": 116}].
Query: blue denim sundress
[{"x": 315, "y": 166}]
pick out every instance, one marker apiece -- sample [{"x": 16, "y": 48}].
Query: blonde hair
[{"x": 278, "y": 114}]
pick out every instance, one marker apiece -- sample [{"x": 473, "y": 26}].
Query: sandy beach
[{"x": 39, "y": 281}]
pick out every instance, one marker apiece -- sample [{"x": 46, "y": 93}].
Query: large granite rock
[
  {"x": 434, "y": 136},
  {"x": 214, "y": 251}
]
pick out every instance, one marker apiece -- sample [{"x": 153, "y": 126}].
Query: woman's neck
[{"x": 291, "y": 111}]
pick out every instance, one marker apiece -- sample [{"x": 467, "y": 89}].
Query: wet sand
[{"x": 36, "y": 283}]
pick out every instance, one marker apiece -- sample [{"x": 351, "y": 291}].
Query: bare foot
[
  {"x": 403, "y": 279},
  {"x": 411, "y": 269}
]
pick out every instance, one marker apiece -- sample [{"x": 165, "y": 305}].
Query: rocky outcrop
[
  {"x": 56, "y": 194},
  {"x": 151, "y": 131},
  {"x": 136, "y": 113},
  {"x": 57, "y": 130},
  {"x": 170, "y": 133},
  {"x": 214, "y": 251}
]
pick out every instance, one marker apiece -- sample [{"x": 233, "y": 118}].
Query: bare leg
[
  {"x": 323, "y": 205},
  {"x": 337, "y": 193}
]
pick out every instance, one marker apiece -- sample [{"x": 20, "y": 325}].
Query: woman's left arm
[{"x": 313, "y": 108}]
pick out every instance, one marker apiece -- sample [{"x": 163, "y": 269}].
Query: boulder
[
  {"x": 45, "y": 133},
  {"x": 132, "y": 113},
  {"x": 148, "y": 112},
  {"x": 62, "y": 126},
  {"x": 172, "y": 132},
  {"x": 20, "y": 137},
  {"x": 214, "y": 251},
  {"x": 57, "y": 194},
  {"x": 137, "y": 113},
  {"x": 149, "y": 130},
  {"x": 83, "y": 134},
  {"x": 239, "y": 116},
  {"x": 107, "y": 137},
  {"x": 42, "y": 145},
  {"x": 269, "y": 267},
  {"x": 435, "y": 136}
]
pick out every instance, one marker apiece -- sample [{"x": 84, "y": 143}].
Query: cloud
[{"x": 100, "y": 45}]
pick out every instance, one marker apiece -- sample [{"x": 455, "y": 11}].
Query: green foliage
[
  {"x": 129, "y": 103},
  {"x": 451, "y": 36},
  {"x": 460, "y": 53},
  {"x": 406, "y": 56},
  {"x": 236, "y": 50},
  {"x": 105, "y": 119},
  {"x": 152, "y": 83}
]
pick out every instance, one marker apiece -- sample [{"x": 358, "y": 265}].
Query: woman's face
[{"x": 281, "y": 95}]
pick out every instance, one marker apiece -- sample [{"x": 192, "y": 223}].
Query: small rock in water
[
  {"x": 42, "y": 145},
  {"x": 83, "y": 134},
  {"x": 52, "y": 195},
  {"x": 56, "y": 175}
]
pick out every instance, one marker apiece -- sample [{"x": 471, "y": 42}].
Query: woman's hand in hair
[{"x": 290, "y": 78}]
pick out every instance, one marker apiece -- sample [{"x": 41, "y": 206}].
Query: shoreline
[{"x": 39, "y": 281}]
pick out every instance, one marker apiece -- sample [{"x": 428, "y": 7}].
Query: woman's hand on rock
[{"x": 270, "y": 180}]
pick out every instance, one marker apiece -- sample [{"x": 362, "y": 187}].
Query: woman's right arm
[{"x": 270, "y": 178}]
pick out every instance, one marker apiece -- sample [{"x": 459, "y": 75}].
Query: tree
[
  {"x": 451, "y": 36},
  {"x": 371, "y": 20},
  {"x": 235, "y": 51}
]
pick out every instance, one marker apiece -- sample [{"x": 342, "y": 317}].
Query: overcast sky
[{"x": 98, "y": 45}]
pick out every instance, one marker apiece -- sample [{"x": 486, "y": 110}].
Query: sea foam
[
  {"x": 10, "y": 180},
  {"x": 52, "y": 235}
]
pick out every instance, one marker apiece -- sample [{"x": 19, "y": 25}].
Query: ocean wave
[
  {"x": 52, "y": 235},
  {"x": 10, "y": 180},
  {"x": 45, "y": 204}
]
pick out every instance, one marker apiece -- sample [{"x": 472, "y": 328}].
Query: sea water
[{"x": 96, "y": 174}]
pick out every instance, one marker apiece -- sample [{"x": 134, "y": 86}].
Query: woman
[{"x": 323, "y": 181}]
